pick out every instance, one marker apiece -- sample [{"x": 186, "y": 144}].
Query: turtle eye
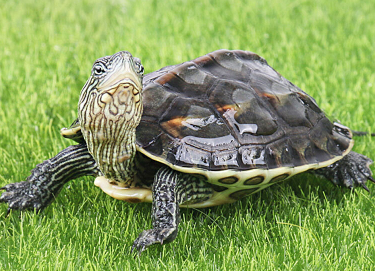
[
  {"x": 99, "y": 69},
  {"x": 139, "y": 67}
]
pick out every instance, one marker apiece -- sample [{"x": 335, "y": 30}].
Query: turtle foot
[
  {"x": 153, "y": 236},
  {"x": 35, "y": 193},
  {"x": 21, "y": 196},
  {"x": 47, "y": 179},
  {"x": 351, "y": 171}
]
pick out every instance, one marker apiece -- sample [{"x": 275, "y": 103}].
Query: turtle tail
[{"x": 361, "y": 133}]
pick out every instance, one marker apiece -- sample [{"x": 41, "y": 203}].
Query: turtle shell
[{"x": 231, "y": 117}]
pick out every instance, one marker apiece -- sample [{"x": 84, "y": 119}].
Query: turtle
[{"x": 205, "y": 132}]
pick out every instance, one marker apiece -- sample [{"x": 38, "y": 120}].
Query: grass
[{"x": 46, "y": 51}]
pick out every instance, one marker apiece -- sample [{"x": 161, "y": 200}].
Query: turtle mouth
[
  {"x": 120, "y": 91},
  {"x": 111, "y": 87}
]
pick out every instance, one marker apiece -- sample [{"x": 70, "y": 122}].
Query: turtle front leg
[
  {"x": 170, "y": 189},
  {"x": 351, "y": 171},
  {"x": 47, "y": 179}
]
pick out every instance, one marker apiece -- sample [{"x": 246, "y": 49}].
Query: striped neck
[
  {"x": 114, "y": 156},
  {"x": 108, "y": 124},
  {"x": 109, "y": 110}
]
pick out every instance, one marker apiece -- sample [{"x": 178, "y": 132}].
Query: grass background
[{"x": 46, "y": 52}]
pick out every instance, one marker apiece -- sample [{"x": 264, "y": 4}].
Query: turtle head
[
  {"x": 110, "y": 108},
  {"x": 113, "y": 90},
  {"x": 118, "y": 70}
]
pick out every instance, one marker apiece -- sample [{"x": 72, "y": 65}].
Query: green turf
[{"x": 47, "y": 48}]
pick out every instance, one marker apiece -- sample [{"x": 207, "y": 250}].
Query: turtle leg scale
[
  {"x": 170, "y": 189},
  {"x": 351, "y": 171},
  {"x": 47, "y": 179}
]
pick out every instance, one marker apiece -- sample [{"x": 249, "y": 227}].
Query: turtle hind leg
[
  {"x": 47, "y": 179},
  {"x": 170, "y": 189},
  {"x": 351, "y": 171}
]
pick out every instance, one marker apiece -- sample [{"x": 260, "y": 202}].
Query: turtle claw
[
  {"x": 365, "y": 187},
  {"x": 136, "y": 251},
  {"x": 371, "y": 179},
  {"x": 144, "y": 240},
  {"x": 153, "y": 236},
  {"x": 351, "y": 171},
  {"x": 20, "y": 196}
]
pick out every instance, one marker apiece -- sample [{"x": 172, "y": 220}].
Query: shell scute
[
  {"x": 234, "y": 105},
  {"x": 254, "y": 180},
  {"x": 228, "y": 180},
  {"x": 290, "y": 103},
  {"x": 253, "y": 156},
  {"x": 182, "y": 119},
  {"x": 225, "y": 159},
  {"x": 190, "y": 155}
]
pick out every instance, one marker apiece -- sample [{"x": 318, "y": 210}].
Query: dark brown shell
[{"x": 231, "y": 110}]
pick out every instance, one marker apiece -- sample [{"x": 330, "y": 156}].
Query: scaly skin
[
  {"x": 170, "y": 189},
  {"x": 351, "y": 171},
  {"x": 47, "y": 179}
]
